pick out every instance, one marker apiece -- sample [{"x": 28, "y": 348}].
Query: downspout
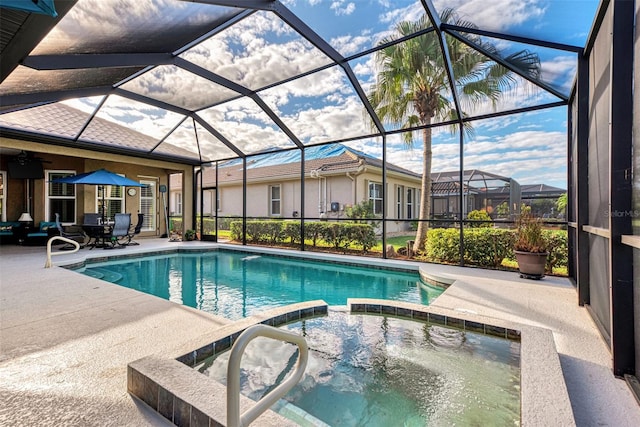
[
  {"x": 354, "y": 180},
  {"x": 316, "y": 174}
]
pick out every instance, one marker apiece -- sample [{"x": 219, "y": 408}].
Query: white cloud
[
  {"x": 256, "y": 52},
  {"x": 495, "y": 15},
  {"x": 340, "y": 8},
  {"x": 528, "y": 156},
  {"x": 560, "y": 71},
  {"x": 142, "y": 118},
  {"x": 348, "y": 44}
]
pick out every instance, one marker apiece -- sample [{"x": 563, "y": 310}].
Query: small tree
[
  {"x": 503, "y": 210},
  {"x": 561, "y": 204},
  {"x": 362, "y": 213},
  {"x": 412, "y": 87}
]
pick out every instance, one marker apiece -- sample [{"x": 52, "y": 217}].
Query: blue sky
[
  {"x": 530, "y": 147},
  {"x": 262, "y": 50}
]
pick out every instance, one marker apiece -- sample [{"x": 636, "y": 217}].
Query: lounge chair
[
  {"x": 76, "y": 234},
  {"x": 128, "y": 239},
  {"x": 121, "y": 225}
]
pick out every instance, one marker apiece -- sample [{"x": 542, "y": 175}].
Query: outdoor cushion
[
  {"x": 43, "y": 230},
  {"x": 9, "y": 228}
]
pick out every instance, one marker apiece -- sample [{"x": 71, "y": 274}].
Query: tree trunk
[{"x": 425, "y": 196}]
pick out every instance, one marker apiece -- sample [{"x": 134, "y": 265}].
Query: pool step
[
  {"x": 102, "y": 274},
  {"x": 92, "y": 273},
  {"x": 297, "y": 415}
]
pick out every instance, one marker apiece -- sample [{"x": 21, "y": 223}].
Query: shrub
[
  {"x": 336, "y": 235},
  {"x": 488, "y": 247},
  {"x": 339, "y": 235},
  {"x": 479, "y": 216},
  {"x": 291, "y": 231},
  {"x": 313, "y": 231},
  {"x": 443, "y": 245},
  {"x": 363, "y": 235},
  {"x": 557, "y": 244},
  {"x": 254, "y": 232},
  {"x": 224, "y": 223},
  {"x": 236, "y": 230}
]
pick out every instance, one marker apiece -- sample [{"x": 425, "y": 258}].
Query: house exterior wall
[
  {"x": 320, "y": 193},
  {"x": 80, "y": 161}
]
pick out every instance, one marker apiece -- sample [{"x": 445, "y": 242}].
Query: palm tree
[{"x": 412, "y": 87}]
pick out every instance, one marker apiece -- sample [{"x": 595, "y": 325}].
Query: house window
[
  {"x": 178, "y": 204},
  {"x": 274, "y": 205},
  {"x": 375, "y": 196},
  {"x": 3, "y": 196},
  {"x": 148, "y": 205},
  {"x": 113, "y": 200},
  {"x": 410, "y": 202},
  {"x": 399, "y": 202},
  {"x": 60, "y": 198}
]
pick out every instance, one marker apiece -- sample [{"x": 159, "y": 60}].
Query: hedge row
[
  {"x": 340, "y": 235},
  {"x": 487, "y": 247}
]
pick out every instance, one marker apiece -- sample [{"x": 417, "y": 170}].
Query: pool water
[
  {"x": 375, "y": 371},
  {"x": 238, "y": 284}
]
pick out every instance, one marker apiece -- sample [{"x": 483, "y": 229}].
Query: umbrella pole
[{"x": 102, "y": 208}]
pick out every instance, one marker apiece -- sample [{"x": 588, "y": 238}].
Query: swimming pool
[
  {"x": 237, "y": 284},
  {"x": 374, "y": 371}
]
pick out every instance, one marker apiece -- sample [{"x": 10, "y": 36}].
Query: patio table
[{"x": 97, "y": 234}]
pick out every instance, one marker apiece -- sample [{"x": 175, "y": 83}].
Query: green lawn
[{"x": 397, "y": 242}]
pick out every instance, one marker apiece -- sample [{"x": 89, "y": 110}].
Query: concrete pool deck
[{"x": 65, "y": 340}]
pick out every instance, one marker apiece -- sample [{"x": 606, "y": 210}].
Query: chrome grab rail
[
  {"x": 234, "y": 419},
  {"x": 48, "y": 264}
]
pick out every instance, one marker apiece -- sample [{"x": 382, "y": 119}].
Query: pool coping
[
  {"x": 426, "y": 275},
  {"x": 169, "y": 384}
]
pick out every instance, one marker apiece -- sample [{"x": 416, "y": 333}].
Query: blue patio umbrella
[
  {"x": 45, "y": 7},
  {"x": 99, "y": 177}
]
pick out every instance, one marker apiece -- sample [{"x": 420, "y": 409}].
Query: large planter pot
[{"x": 530, "y": 264}]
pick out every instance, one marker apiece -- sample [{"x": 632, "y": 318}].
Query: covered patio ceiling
[{"x": 205, "y": 80}]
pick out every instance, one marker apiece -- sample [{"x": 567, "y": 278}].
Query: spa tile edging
[
  {"x": 173, "y": 389},
  {"x": 422, "y": 313},
  {"x": 184, "y": 396},
  {"x": 275, "y": 317}
]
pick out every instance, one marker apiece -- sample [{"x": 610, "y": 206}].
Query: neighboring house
[
  {"x": 481, "y": 191},
  {"x": 337, "y": 177},
  {"x": 543, "y": 199}
]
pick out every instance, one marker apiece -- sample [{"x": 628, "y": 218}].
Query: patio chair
[
  {"x": 75, "y": 234},
  {"x": 121, "y": 225},
  {"x": 91, "y": 219},
  {"x": 133, "y": 232}
]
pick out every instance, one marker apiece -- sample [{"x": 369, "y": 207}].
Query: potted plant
[
  {"x": 189, "y": 235},
  {"x": 530, "y": 247}
]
